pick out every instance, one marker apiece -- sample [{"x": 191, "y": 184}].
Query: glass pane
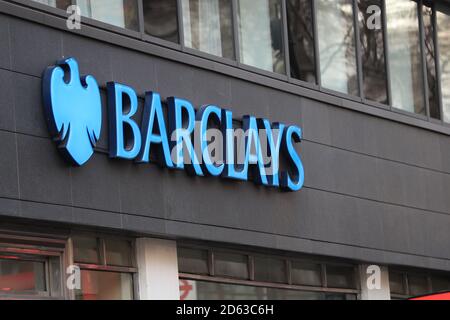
[
  {"x": 61, "y": 4},
  {"x": 301, "y": 40},
  {"x": 372, "y": 50},
  {"x": 231, "y": 265},
  {"x": 98, "y": 285},
  {"x": 22, "y": 276},
  {"x": 341, "y": 277},
  {"x": 270, "y": 270},
  {"x": 443, "y": 25},
  {"x": 118, "y": 252},
  {"x": 337, "y": 46},
  {"x": 261, "y": 34},
  {"x": 418, "y": 285},
  {"x": 430, "y": 52},
  {"x": 161, "y": 20},
  {"x": 55, "y": 276},
  {"x": 307, "y": 274},
  {"x": 397, "y": 283},
  {"x": 208, "y": 26},
  {"x": 85, "y": 250},
  {"x": 199, "y": 290},
  {"x": 193, "y": 261},
  {"x": 440, "y": 284},
  {"x": 405, "y": 60},
  {"x": 121, "y": 13}
]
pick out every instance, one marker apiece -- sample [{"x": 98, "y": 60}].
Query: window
[
  {"x": 261, "y": 35},
  {"x": 407, "y": 284},
  {"x": 443, "y": 34},
  {"x": 372, "y": 50},
  {"x": 107, "y": 268},
  {"x": 405, "y": 60},
  {"x": 392, "y": 52},
  {"x": 202, "y": 290},
  {"x": 308, "y": 274},
  {"x": 161, "y": 20},
  {"x": 397, "y": 283},
  {"x": 430, "y": 57},
  {"x": 231, "y": 265},
  {"x": 120, "y": 13},
  {"x": 22, "y": 275},
  {"x": 208, "y": 26},
  {"x": 340, "y": 276},
  {"x": 337, "y": 46},
  {"x": 301, "y": 40},
  {"x": 270, "y": 270},
  {"x": 30, "y": 269},
  {"x": 209, "y": 273},
  {"x": 99, "y": 285},
  {"x": 193, "y": 261},
  {"x": 60, "y": 4}
]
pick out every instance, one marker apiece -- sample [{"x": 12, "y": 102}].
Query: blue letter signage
[
  {"x": 73, "y": 110},
  {"x": 170, "y": 132}
]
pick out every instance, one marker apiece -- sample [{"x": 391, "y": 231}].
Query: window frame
[
  {"x": 36, "y": 249},
  {"x": 103, "y": 266},
  {"x": 288, "y": 285},
  {"x": 407, "y": 273}
]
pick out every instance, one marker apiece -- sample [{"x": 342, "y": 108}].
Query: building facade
[{"x": 366, "y": 82}]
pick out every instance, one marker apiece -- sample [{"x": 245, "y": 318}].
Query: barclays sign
[{"x": 174, "y": 134}]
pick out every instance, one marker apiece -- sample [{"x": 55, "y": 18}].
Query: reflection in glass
[
  {"x": 440, "y": 284},
  {"x": 193, "y": 261},
  {"x": 161, "y": 20},
  {"x": 430, "y": 55},
  {"x": 261, "y": 35},
  {"x": 270, "y": 270},
  {"x": 337, "y": 46},
  {"x": 307, "y": 274},
  {"x": 22, "y": 276},
  {"x": 340, "y": 277},
  {"x": 231, "y": 265},
  {"x": 404, "y": 56},
  {"x": 397, "y": 283},
  {"x": 199, "y": 290},
  {"x": 208, "y": 26},
  {"x": 418, "y": 285},
  {"x": 86, "y": 249},
  {"x": 301, "y": 40},
  {"x": 372, "y": 50},
  {"x": 121, "y": 13},
  {"x": 98, "y": 285},
  {"x": 118, "y": 252},
  {"x": 443, "y": 25}
]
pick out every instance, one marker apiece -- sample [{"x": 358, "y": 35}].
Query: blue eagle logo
[{"x": 73, "y": 110}]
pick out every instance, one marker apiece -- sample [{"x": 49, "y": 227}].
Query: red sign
[{"x": 434, "y": 297}]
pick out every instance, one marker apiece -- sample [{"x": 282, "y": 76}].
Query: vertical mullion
[
  {"x": 141, "y": 17},
  {"x": 251, "y": 267},
  {"x": 386, "y": 52},
  {"x": 212, "y": 271},
  {"x": 286, "y": 39},
  {"x": 424, "y": 60},
  {"x": 316, "y": 43},
  {"x": 438, "y": 64},
  {"x": 102, "y": 249},
  {"x": 180, "y": 24},
  {"x": 359, "y": 69},
  {"x": 323, "y": 270},
  {"x": 289, "y": 271},
  {"x": 234, "y": 14}
]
